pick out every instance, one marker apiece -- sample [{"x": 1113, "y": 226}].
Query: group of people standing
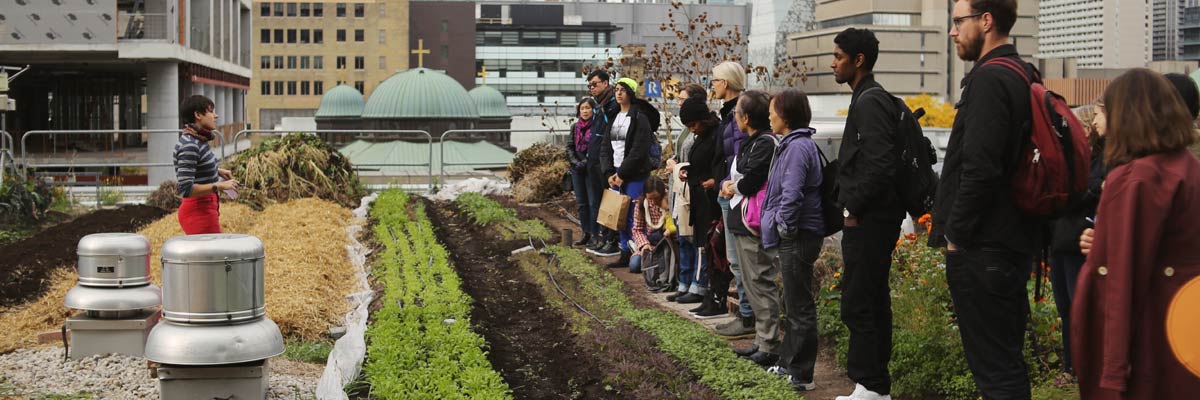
[{"x": 1122, "y": 251}]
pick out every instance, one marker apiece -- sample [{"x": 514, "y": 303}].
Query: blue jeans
[
  {"x": 693, "y": 267},
  {"x": 633, "y": 189},
  {"x": 731, "y": 254},
  {"x": 588, "y": 199}
]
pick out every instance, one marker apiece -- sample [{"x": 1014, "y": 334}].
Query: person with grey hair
[{"x": 728, "y": 82}]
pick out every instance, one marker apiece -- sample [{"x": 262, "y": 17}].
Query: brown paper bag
[{"x": 614, "y": 210}]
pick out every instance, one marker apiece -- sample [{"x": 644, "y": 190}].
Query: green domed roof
[
  {"x": 342, "y": 101},
  {"x": 420, "y": 93},
  {"x": 490, "y": 102}
]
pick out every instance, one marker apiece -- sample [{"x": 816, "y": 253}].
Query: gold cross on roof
[
  {"x": 421, "y": 51},
  {"x": 483, "y": 74}
]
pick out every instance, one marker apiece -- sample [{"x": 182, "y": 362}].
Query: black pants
[
  {"x": 992, "y": 307},
  {"x": 799, "y": 350},
  {"x": 1064, "y": 270},
  {"x": 867, "y": 301}
]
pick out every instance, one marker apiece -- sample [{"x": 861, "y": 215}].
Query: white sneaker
[
  {"x": 861, "y": 393},
  {"x": 777, "y": 370}
]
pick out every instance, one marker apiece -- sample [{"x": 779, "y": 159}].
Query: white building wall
[{"x": 1099, "y": 33}]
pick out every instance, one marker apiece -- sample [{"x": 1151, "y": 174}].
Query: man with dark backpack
[
  {"x": 870, "y": 165},
  {"x": 989, "y": 239}
]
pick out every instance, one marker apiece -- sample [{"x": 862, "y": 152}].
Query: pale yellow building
[{"x": 301, "y": 49}]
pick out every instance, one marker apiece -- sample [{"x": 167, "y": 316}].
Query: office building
[
  {"x": 1167, "y": 36},
  {"x": 109, "y": 64},
  {"x": 304, "y": 48},
  {"x": 1101, "y": 34},
  {"x": 1189, "y": 28}
]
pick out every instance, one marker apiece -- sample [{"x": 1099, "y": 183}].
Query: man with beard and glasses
[
  {"x": 605, "y": 241},
  {"x": 989, "y": 242}
]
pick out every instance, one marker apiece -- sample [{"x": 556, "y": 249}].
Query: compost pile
[
  {"x": 295, "y": 166},
  {"x": 537, "y": 173},
  {"x": 165, "y": 197}
]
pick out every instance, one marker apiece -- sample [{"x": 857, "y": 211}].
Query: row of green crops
[
  {"x": 421, "y": 342},
  {"x": 704, "y": 354},
  {"x": 485, "y": 211}
]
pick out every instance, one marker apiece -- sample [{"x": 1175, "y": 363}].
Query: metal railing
[
  {"x": 6, "y": 141},
  {"x": 26, "y": 164},
  {"x": 143, "y": 26},
  {"x": 5, "y": 157},
  {"x": 357, "y": 167},
  {"x": 553, "y": 137}
]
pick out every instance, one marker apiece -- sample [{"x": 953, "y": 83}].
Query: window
[
  {"x": 382, "y": 63},
  {"x": 291, "y": 62},
  {"x": 304, "y": 10},
  {"x": 266, "y": 88},
  {"x": 341, "y": 10},
  {"x": 445, "y": 26},
  {"x": 266, "y": 62},
  {"x": 266, "y": 10},
  {"x": 304, "y": 88},
  {"x": 305, "y": 62},
  {"x": 360, "y": 10},
  {"x": 318, "y": 88},
  {"x": 291, "y": 35},
  {"x": 318, "y": 36},
  {"x": 278, "y": 62},
  {"x": 445, "y": 52},
  {"x": 291, "y": 9},
  {"x": 360, "y": 35},
  {"x": 279, "y": 87},
  {"x": 278, "y": 7},
  {"x": 318, "y": 10},
  {"x": 341, "y": 62},
  {"x": 318, "y": 62},
  {"x": 291, "y": 88},
  {"x": 360, "y": 85},
  {"x": 279, "y": 36},
  {"x": 382, "y": 36},
  {"x": 360, "y": 63},
  {"x": 381, "y": 8},
  {"x": 305, "y": 36},
  {"x": 265, "y": 36},
  {"x": 341, "y": 35}
]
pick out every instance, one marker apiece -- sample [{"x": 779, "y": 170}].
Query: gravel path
[{"x": 33, "y": 372}]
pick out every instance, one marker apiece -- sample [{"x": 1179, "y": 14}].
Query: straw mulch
[
  {"x": 295, "y": 166},
  {"x": 307, "y": 271},
  {"x": 532, "y": 158},
  {"x": 542, "y": 183}
]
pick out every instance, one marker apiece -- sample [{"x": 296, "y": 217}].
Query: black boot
[
  {"x": 717, "y": 307},
  {"x": 583, "y": 241},
  {"x": 622, "y": 262}
]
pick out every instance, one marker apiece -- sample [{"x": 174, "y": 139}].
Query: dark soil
[
  {"x": 25, "y": 265},
  {"x": 530, "y": 343},
  {"x": 831, "y": 379}
]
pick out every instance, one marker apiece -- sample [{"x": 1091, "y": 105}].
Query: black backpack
[
  {"x": 831, "y": 212},
  {"x": 916, "y": 183},
  {"x": 661, "y": 269}
]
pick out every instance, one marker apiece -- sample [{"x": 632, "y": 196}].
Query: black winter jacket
[
  {"x": 1065, "y": 239},
  {"x": 974, "y": 208},
  {"x": 704, "y": 208},
  {"x": 870, "y": 155},
  {"x": 637, "y": 164},
  {"x": 603, "y": 121},
  {"x": 754, "y": 163}
]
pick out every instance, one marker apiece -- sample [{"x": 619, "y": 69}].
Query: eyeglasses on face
[{"x": 958, "y": 21}]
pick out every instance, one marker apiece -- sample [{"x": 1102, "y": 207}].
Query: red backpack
[{"x": 1054, "y": 165}]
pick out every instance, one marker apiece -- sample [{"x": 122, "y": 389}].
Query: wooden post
[{"x": 567, "y": 238}]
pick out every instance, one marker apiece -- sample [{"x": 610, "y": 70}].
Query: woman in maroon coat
[{"x": 1145, "y": 247}]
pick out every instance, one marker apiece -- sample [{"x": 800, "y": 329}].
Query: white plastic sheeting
[
  {"x": 482, "y": 186},
  {"x": 345, "y": 361}
]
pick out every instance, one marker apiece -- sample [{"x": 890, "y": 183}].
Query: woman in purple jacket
[{"x": 792, "y": 226}]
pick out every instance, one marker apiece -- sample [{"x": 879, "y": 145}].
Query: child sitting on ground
[{"x": 651, "y": 221}]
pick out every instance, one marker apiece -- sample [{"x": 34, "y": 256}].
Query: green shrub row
[
  {"x": 484, "y": 211},
  {"x": 421, "y": 342},
  {"x": 705, "y": 354}
]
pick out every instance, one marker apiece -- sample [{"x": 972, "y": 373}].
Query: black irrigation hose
[{"x": 554, "y": 260}]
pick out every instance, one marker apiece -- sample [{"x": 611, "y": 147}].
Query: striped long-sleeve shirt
[{"x": 195, "y": 163}]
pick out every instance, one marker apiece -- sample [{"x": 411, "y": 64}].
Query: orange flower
[
  {"x": 925, "y": 219},
  {"x": 911, "y": 237}
]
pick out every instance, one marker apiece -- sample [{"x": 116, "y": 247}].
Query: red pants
[{"x": 200, "y": 215}]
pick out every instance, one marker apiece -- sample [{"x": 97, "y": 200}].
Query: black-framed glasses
[
  {"x": 958, "y": 21},
  {"x": 592, "y": 85}
]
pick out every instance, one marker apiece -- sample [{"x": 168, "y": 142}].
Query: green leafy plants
[
  {"x": 927, "y": 351},
  {"x": 484, "y": 212},
  {"x": 421, "y": 342},
  {"x": 307, "y": 351}
]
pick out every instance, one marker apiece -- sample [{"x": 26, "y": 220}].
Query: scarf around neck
[
  {"x": 583, "y": 134},
  {"x": 199, "y": 133}
]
